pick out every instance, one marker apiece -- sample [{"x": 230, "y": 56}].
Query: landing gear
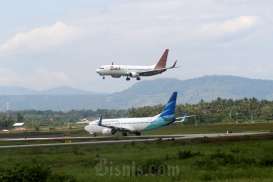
[
  {"x": 113, "y": 131},
  {"x": 124, "y": 133},
  {"x": 103, "y": 77},
  {"x": 128, "y": 79},
  {"x": 138, "y": 78},
  {"x": 137, "y": 133}
]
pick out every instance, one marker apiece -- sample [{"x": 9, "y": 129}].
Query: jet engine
[
  {"x": 107, "y": 131},
  {"x": 115, "y": 76},
  {"x": 134, "y": 74}
]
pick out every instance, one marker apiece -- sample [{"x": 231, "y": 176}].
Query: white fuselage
[
  {"x": 132, "y": 124},
  {"x": 117, "y": 71}
]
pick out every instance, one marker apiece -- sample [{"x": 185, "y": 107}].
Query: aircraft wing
[
  {"x": 150, "y": 73},
  {"x": 83, "y": 121},
  {"x": 157, "y": 71},
  {"x": 115, "y": 128}
]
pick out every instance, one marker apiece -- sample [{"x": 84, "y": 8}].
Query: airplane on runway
[
  {"x": 134, "y": 125},
  {"x": 117, "y": 71}
]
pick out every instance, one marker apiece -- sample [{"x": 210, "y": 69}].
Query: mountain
[
  {"x": 140, "y": 94},
  {"x": 193, "y": 90}
]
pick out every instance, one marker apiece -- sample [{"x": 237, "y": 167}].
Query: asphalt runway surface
[{"x": 128, "y": 139}]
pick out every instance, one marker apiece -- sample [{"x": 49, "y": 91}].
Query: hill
[{"x": 142, "y": 93}]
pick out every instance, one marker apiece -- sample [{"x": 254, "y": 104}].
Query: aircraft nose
[
  {"x": 86, "y": 128},
  {"x": 89, "y": 129},
  {"x": 98, "y": 71}
]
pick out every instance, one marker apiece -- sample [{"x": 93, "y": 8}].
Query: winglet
[
  {"x": 163, "y": 60},
  {"x": 174, "y": 64}
]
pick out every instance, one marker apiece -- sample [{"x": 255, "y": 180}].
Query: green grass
[
  {"x": 222, "y": 161},
  {"x": 213, "y": 128}
]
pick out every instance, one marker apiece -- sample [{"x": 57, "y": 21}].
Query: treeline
[
  {"x": 219, "y": 110},
  {"x": 35, "y": 118}
]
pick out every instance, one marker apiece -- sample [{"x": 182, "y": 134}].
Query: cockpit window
[{"x": 101, "y": 68}]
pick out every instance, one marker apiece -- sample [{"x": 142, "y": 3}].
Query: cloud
[
  {"x": 43, "y": 78},
  {"x": 8, "y": 77},
  {"x": 229, "y": 28},
  {"x": 135, "y": 32},
  {"x": 38, "y": 79},
  {"x": 40, "y": 39}
]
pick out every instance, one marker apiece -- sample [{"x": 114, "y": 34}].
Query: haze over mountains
[
  {"x": 9, "y": 90},
  {"x": 140, "y": 94}
]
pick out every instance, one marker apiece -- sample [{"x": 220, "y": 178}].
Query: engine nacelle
[
  {"x": 106, "y": 131},
  {"x": 134, "y": 74}
]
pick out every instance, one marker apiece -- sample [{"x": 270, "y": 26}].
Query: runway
[
  {"x": 84, "y": 138},
  {"x": 128, "y": 139}
]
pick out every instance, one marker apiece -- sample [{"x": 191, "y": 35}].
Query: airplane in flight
[
  {"x": 117, "y": 71},
  {"x": 133, "y": 125}
]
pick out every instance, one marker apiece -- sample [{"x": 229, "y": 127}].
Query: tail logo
[
  {"x": 162, "y": 61},
  {"x": 167, "y": 116}
]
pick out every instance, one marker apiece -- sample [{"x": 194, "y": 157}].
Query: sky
[{"x": 47, "y": 44}]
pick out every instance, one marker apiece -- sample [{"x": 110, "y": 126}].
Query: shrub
[
  {"x": 222, "y": 158},
  {"x": 32, "y": 173},
  {"x": 186, "y": 154},
  {"x": 151, "y": 167},
  {"x": 217, "y": 159},
  {"x": 266, "y": 161}
]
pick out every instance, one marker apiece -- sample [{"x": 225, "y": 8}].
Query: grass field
[
  {"x": 221, "y": 160},
  {"x": 213, "y": 128},
  {"x": 162, "y": 161}
]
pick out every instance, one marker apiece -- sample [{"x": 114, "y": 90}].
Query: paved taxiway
[{"x": 129, "y": 139}]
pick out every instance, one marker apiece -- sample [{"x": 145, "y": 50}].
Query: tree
[{"x": 20, "y": 118}]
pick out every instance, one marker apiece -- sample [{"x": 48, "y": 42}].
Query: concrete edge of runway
[
  {"x": 118, "y": 137},
  {"x": 152, "y": 138},
  {"x": 85, "y": 137}
]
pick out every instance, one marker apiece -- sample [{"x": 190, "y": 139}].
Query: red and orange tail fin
[{"x": 163, "y": 60}]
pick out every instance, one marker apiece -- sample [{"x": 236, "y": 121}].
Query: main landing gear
[
  {"x": 128, "y": 78},
  {"x": 137, "y": 133},
  {"x": 103, "y": 77}
]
